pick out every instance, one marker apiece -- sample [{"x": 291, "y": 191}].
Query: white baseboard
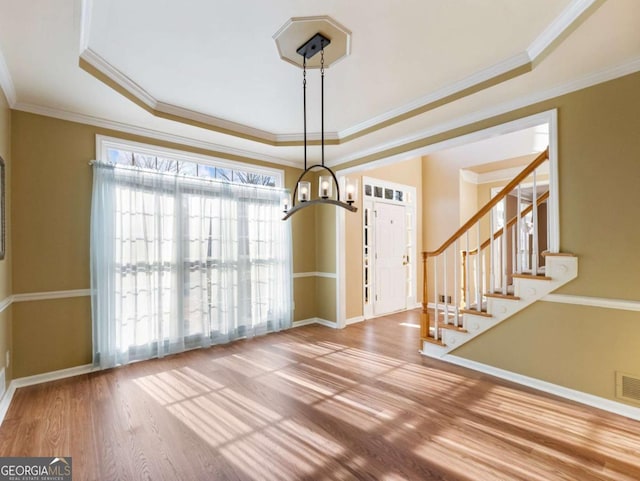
[
  {"x": 561, "y": 391},
  {"x": 314, "y": 320},
  {"x": 303, "y": 322},
  {"x": 354, "y": 320},
  {"x": 37, "y": 379}
]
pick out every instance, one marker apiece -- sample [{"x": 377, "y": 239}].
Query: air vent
[{"x": 628, "y": 387}]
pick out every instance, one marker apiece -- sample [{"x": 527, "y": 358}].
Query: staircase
[{"x": 475, "y": 285}]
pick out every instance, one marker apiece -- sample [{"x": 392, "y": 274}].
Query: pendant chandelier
[{"x": 328, "y": 181}]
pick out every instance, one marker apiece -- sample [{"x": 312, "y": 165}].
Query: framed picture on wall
[{"x": 3, "y": 243}]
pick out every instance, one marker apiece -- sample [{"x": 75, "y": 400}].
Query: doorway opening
[{"x": 389, "y": 247}]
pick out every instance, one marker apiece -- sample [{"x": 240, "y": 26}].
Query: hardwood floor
[{"x": 315, "y": 404}]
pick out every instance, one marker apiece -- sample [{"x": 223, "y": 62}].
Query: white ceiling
[{"x": 216, "y": 62}]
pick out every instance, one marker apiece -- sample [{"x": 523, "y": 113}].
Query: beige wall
[
  {"x": 408, "y": 172},
  {"x": 6, "y": 344},
  {"x": 52, "y": 191},
  {"x": 599, "y": 148},
  {"x": 576, "y": 346}
]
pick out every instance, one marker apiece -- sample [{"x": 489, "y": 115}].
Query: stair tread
[
  {"x": 537, "y": 277},
  {"x": 500, "y": 295},
  {"x": 431, "y": 340},
  {"x": 452, "y": 327},
  {"x": 559, "y": 254},
  {"x": 477, "y": 313}
]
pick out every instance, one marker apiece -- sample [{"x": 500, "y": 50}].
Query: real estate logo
[{"x": 35, "y": 469}]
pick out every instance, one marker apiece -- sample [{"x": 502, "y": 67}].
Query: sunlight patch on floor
[{"x": 409, "y": 324}]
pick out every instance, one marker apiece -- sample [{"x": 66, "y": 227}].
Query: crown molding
[
  {"x": 511, "y": 67},
  {"x": 100, "y": 64},
  {"x": 6, "y": 83},
  {"x": 455, "y": 89},
  {"x": 590, "y": 80},
  {"x": 561, "y": 24},
  {"x": 219, "y": 150}
]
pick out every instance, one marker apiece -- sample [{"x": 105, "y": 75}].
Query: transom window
[{"x": 149, "y": 157}]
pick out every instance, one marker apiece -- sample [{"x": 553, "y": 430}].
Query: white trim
[
  {"x": 5, "y": 401},
  {"x": 555, "y": 389},
  {"x": 329, "y": 275},
  {"x": 523, "y": 59},
  {"x": 217, "y": 122},
  {"x": 553, "y": 203},
  {"x": 622, "y": 304},
  {"x": 341, "y": 262},
  {"x": 152, "y": 134},
  {"x": 40, "y": 378},
  {"x": 103, "y": 143},
  {"x": 557, "y": 27},
  {"x": 54, "y": 375},
  {"x": 484, "y": 75},
  {"x": 86, "y": 9},
  {"x": 432, "y": 305},
  {"x": 96, "y": 61},
  {"x": 314, "y": 320},
  {"x": 500, "y": 129},
  {"x": 6, "y": 82},
  {"x": 354, "y": 320},
  {"x": 42, "y": 296},
  {"x": 6, "y": 302},
  {"x": 563, "y": 89},
  {"x": 410, "y": 206},
  {"x": 326, "y": 323},
  {"x": 303, "y": 322},
  {"x": 478, "y": 116}
]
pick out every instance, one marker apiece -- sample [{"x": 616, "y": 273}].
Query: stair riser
[{"x": 561, "y": 269}]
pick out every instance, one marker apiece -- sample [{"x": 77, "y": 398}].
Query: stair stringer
[{"x": 559, "y": 268}]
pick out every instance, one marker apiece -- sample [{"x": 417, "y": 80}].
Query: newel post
[{"x": 424, "y": 318}]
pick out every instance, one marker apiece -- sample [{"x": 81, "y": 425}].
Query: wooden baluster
[{"x": 424, "y": 325}]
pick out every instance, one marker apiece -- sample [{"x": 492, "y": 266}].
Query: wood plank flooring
[{"x": 315, "y": 404}]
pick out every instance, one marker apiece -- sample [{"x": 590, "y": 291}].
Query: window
[
  {"x": 149, "y": 157},
  {"x": 184, "y": 254}
]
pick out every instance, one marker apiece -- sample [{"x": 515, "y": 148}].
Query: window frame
[{"x": 103, "y": 143}]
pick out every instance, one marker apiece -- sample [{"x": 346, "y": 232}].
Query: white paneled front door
[{"x": 390, "y": 258}]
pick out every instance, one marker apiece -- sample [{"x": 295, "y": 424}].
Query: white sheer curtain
[{"x": 180, "y": 262}]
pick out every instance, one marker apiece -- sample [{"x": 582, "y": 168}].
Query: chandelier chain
[
  {"x": 322, "y": 103},
  {"x": 304, "y": 104}
]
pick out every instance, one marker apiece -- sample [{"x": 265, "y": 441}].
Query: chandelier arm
[{"x": 309, "y": 203}]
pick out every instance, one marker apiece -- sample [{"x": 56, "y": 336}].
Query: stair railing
[{"x": 464, "y": 269}]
